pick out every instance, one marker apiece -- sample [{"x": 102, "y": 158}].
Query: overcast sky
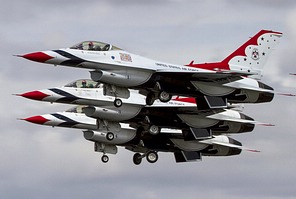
[{"x": 44, "y": 162}]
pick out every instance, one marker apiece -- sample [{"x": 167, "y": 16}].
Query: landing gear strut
[{"x": 117, "y": 92}]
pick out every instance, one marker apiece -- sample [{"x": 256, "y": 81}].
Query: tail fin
[
  {"x": 248, "y": 58},
  {"x": 252, "y": 55}
]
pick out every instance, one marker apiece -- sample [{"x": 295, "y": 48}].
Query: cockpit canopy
[
  {"x": 94, "y": 46},
  {"x": 76, "y": 109},
  {"x": 84, "y": 83}
]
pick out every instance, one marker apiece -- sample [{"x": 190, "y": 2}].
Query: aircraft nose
[
  {"x": 36, "y": 119},
  {"x": 37, "y": 56},
  {"x": 35, "y": 95}
]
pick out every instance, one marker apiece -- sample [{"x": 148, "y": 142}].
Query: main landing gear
[
  {"x": 161, "y": 95},
  {"x": 151, "y": 157}
]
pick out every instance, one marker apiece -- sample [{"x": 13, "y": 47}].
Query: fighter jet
[
  {"x": 179, "y": 113},
  {"x": 234, "y": 80},
  {"x": 144, "y": 145}
]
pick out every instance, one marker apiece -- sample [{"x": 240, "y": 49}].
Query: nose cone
[
  {"x": 35, "y": 95},
  {"x": 36, "y": 119},
  {"x": 37, "y": 56}
]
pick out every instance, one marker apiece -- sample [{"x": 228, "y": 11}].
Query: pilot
[
  {"x": 80, "y": 47},
  {"x": 84, "y": 84},
  {"x": 91, "y": 46}
]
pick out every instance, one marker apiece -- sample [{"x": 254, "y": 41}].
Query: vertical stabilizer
[{"x": 252, "y": 55}]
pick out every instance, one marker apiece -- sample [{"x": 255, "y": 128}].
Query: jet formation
[{"x": 148, "y": 106}]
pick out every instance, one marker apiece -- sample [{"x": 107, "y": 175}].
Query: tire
[
  {"x": 117, "y": 103},
  {"x": 154, "y": 130},
  {"x": 137, "y": 159},
  {"x": 150, "y": 98},
  {"x": 152, "y": 157},
  {"x": 105, "y": 158},
  {"x": 110, "y": 136},
  {"x": 164, "y": 96}
]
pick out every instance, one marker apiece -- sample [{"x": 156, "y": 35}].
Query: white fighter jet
[
  {"x": 144, "y": 145},
  {"x": 180, "y": 113},
  {"x": 232, "y": 80}
]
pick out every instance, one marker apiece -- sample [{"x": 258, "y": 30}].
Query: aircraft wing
[{"x": 197, "y": 76}]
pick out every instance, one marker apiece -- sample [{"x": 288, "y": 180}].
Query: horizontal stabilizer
[
  {"x": 238, "y": 85},
  {"x": 226, "y": 144},
  {"x": 238, "y": 120},
  {"x": 187, "y": 156},
  {"x": 196, "y": 134}
]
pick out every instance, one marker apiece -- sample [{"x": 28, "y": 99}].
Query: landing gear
[
  {"x": 164, "y": 96},
  {"x": 105, "y": 148},
  {"x": 149, "y": 127},
  {"x": 154, "y": 130},
  {"x": 105, "y": 158},
  {"x": 151, "y": 157},
  {"x": 117, "y": 102},
  {"x": 117, "y": 92},
  {"x": 150, "y": 98},
  {"x": 137, "y": 158},
  {"x": 110, "y": 136}
]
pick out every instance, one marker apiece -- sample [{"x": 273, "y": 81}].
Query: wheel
[
  {"x": 110, "y": 136},
  {"x": 154, "y": 130},
  {"x": 150, "y": 98},
  {"x": 117, "y": 103},
  {"x": 164, "y": 96},
  {"x": 137, "y": 159},
  {"x": 152, "y": 157},
  {"x": 105, "y": 158}
]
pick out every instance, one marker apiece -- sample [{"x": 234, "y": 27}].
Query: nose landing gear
[{"x": 105, "y": 158}]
